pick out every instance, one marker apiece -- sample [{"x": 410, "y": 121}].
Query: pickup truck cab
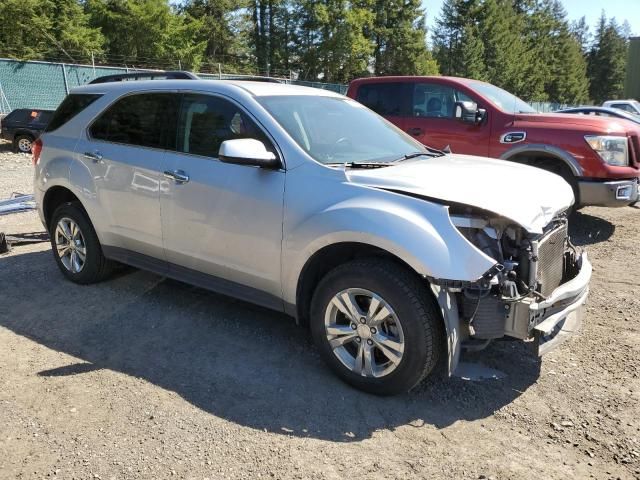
[{"x": 599, "y": 157}]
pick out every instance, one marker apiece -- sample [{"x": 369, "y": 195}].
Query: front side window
[
  {"x": 207, "y": 121},
  {"x": 436, "y": 101},
  {"x": 339, "y": 130},
  {"x": 389, "y": 99},
  {"x": 146, "y": 120},
  {"x": 71, "y": 106}
]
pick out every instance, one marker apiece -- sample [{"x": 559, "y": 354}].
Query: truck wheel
[
  {"x": 376, "y": 326},
  {"x": 22, "y": 143},
  {"x": 76, "y": 247}
]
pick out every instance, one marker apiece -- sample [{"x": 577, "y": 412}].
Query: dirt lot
[{"x": 143, "y": 377}]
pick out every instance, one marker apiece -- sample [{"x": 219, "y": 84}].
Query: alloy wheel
[
  {"x": 364, "y": 332},
  {"x": 70, "y": 245}
]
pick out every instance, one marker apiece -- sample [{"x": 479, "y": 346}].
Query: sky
[{"x": 621, "y": 9}]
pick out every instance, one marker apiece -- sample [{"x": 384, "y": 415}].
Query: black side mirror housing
[{"x": 468, "y": 112}]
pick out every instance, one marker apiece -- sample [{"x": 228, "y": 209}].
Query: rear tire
[
  {"x": 370, "y": 350},
  {"x": 23, "y": 143},
  {"x": 76, "y": 247}
]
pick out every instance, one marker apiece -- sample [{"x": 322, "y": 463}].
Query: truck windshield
[
  {"x": 336, "y": 130},
  {"x": 502, "y": 99}
]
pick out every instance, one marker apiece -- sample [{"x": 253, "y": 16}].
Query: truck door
[{"x": 432, "y": 120}]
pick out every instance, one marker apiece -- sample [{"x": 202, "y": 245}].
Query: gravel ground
[{"x": 144, "y": 377}]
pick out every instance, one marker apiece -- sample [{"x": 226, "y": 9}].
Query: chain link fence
[{"x": 43, "y": 85}]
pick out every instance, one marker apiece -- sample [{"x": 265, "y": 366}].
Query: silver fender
[{"x": 418, "y": 232}]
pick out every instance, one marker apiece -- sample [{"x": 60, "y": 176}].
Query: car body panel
[
  {"x": 325, "y": 207},
  {"x": 225, "y": 221},
  {"x": 484, "y": 183}
]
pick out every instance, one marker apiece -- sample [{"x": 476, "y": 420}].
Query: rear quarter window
[{"x": 69, "y": 108}]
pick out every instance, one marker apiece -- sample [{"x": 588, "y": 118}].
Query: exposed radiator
[{"x": 550, "y": 267}]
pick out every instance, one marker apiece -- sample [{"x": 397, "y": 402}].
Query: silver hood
[{"x": 529, "y": 196}]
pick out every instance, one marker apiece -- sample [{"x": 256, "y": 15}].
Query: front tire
[
  {"x": 75, "y": 245},
  {"x": 376, "y": 326}
]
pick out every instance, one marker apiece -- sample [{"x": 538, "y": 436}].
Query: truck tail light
[{"x": 36, "y": 149}]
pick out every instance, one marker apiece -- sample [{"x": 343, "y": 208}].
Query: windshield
[
  {"x": 502, "y": 99},
  {"x": 339, "y": 130}
]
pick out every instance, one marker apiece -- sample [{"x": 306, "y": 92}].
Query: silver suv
[{"x": 397, "y": 256}]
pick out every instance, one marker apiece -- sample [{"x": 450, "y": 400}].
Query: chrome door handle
[
  {"x": 177, "y": 175},
  {"x": 96, "y": 156}
]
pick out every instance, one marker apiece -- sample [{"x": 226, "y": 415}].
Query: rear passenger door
[
  {"x": 124, "y": 150},
  {"x": 222, "y": 220},
  {"x": 392, "y": 100}
]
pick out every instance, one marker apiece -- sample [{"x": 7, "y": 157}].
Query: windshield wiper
[
  {"x": 431, "y": 152},
  {"x": 367, "y": 164}
]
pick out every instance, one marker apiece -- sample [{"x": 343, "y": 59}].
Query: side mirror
[
  {"x": 468, "y": 112},
  {"x": 247, "y": 151}
]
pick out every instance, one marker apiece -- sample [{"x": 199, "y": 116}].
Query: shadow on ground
[
  {"x": 587, "y": 229},
  {"x": 242, "y": 363}
]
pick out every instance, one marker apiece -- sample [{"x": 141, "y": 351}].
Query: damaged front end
[{"x": 534, "y": 292}]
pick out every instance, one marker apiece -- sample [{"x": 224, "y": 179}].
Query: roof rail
[
  {"x": 252, "y": 78},
  {"x": 123, "y": 77}
]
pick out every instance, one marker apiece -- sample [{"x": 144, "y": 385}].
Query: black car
[
  {"x": 603, "y": 112},
  {"x": 23, "y": 125}
]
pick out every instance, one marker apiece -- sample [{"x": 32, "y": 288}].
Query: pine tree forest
[{"x": 528, "y": 47}]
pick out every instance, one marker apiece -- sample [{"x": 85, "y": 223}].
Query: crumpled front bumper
[{"x": 560, "y": 315}]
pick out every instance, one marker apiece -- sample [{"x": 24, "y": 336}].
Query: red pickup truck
[{"x": 599, "y": 157}]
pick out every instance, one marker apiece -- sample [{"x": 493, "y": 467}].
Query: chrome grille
[{"x": 550, "y": 267}]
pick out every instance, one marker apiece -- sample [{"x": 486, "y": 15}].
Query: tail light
[{"x": 36, "y": 149}]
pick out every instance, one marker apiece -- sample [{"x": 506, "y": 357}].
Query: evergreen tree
[
  {"x": 607, "y": 61},
  {"x": 472, "y": 63},
  {"x": 456, "y": 30},
  {"x": 580, "y": 30},
  {"x": 47, "y": 29},
  {"x": 568, "y": 82},
  {"x": 400, "y": 39},
  {"x": 506, "y": 54},
  {"x": 148, "y": 33},
  {"x": 224, "y": 44}
]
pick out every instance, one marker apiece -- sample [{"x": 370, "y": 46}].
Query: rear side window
[
  {"x": 69, "y": 108},
  {"x": 146, "y": 120},
  {"x": 207, "y": 121},
  {"x": 387, "y": 99}
]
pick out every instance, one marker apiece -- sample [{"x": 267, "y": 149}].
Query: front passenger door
[{"x": 222, "y": 220}]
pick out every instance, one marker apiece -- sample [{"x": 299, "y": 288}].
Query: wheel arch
[
  {"x": 544, "y": 151},
  {"x": 53, "y": 198},
  {"x": 549, "y": 158},
  {"x": 326, "y": 259}
]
